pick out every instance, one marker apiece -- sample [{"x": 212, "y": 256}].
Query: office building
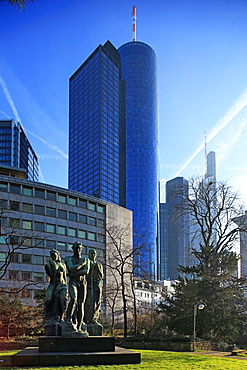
[
  {"x": 16, "y": 150},
  {"x": 37, "y": 217},
  {"x": 113, "y": 130}
]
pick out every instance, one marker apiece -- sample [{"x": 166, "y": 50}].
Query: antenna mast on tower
[{"x": 133, "y": 23}]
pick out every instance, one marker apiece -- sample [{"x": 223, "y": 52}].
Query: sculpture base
[
  {"x": 95, "y": 329},
  {"x": 62, "y": 351}
]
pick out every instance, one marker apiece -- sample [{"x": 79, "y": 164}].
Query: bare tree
[{"x": 122, "y": 264}]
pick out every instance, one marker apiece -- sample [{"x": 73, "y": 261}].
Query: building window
[
  {"x": 27, "y": 241},
  {"x": 50, "y": 195},
  {"x": 101, "y": 238},
  {"x": 51, "y": 212},
  {"x": 100, "y": 223},
  {"x": 3, "y": 203},
  {"x": 3, "y": 187},
  {"x": 39, "y": 243},
  {"x": 91, "y": 206},
  {"x": 27, "y": 225},
  {"x": 61, "y": 230},
  {"x": 13, "y": 275},
  {"x": 16, "y": 189},
  {"x": 100, "y": 209},
  {"x": 83, "y": 219},
  {"x": 38, "y": 276},
  {"x": 14, "y": 240},
  {"x": 51, "y": 244},
  {"x": 39, "y": 226},
  {"x": 2, "y": 256},
  {"x": 26, "y": 275},
  {"x": 14, "y": 206},
  {"x": 71, "y": 232},
  {"x": 82, "y": 234},
  {"x": 40, "y": 210},
  {"x": 91, "y": 221},
  {"x": 38, "y": 260},
  {"x": 40, "y": 193},
  {"x": 2, "y": 240},
  {"x": 72, "y": 201},
  {"x": 61, "y": 198},
  {"x": 82, "y": 203},
  {"x": 27, "y": 191},
  {"x": 61, "y": 246},
  {"x": 91, "y": 236},
  {"x": 26, "y": 258},
  {"x": 14, "y": 223},
  {"x": 26, "y": 207},
  {"x": 50, "y": 228},
  {"x": 72, "y": 216},
  {"x": 62, "y": 214}
]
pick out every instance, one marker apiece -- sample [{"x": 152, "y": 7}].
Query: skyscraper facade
[
  {"x": 113, "y": 130},
  {"x": 16, "y": 150},
  {"x": 139, "y": 70},
  {"x": 95, "y": 126},
  {"x": 178, "y": 248}
]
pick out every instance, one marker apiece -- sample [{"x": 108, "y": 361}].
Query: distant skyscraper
[
  {"x": 174, "y": 234},
  {"x": 113, "y": 133},
  {"x": 15, "y": 149}
]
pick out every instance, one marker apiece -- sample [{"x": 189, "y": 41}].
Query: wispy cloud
[
  {"x": 17, "y": 117},
  {"x": 9, "y": 99},
  {"x": 54, "y": 147},
  {"x": 220, "y": 125}
]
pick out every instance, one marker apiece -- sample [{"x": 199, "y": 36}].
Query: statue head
[
  {"x": 92, "y": 254},
  {"x": 77, "y": 247},
  {"x": 55, "y": 255}
]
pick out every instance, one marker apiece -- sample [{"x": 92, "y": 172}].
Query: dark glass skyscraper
[
  {"x": 16, "y": 150},
  {"x": 113, "y": 138}
]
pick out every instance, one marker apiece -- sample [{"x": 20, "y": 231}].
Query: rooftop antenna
[{"x": 133, "y": 23}]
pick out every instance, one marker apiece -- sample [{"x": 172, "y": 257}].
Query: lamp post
[{"x": 200, "y": 306}]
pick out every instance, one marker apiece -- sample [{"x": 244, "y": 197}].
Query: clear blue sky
[{"x": 202, "y": 54}]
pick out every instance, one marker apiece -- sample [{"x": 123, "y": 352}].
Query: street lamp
[{"x": 200, "y": 306}]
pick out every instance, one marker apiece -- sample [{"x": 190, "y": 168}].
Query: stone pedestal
[
  {"x": 95, "y": 329},
  {"x": 69, "y": 351}
]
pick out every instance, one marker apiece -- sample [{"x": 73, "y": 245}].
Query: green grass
[{"x": 153, "y": 360}]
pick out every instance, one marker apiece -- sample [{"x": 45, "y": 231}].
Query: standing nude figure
[{"x": 78, "y": 268}]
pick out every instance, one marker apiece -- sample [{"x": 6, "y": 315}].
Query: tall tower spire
[{"x": 133, "y": 23}]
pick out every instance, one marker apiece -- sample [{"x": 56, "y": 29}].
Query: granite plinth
[
  {"x": 80, "y": 344},
  {"x": 32, "y": 357}
]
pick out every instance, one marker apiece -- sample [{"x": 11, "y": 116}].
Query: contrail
[
  {"x": 54, "y": 147},
  {"x": 17, "y": 118},
  {"x": 10, "y": 100},
  {"x": 222, "y": 123}
]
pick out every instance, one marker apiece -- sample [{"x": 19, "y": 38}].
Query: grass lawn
[{"x": 152, "y": 360}]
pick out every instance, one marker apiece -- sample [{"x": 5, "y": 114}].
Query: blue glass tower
[
  {"x": 139, "y": 70},
  {"x": 95, "y": 125},
  {"x": 113, "y": 135}
]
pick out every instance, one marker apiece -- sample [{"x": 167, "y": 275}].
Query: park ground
[{"x": 152, "y": 360}]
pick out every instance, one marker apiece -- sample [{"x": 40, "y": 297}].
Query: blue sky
[{"x": 202, "y": 54}]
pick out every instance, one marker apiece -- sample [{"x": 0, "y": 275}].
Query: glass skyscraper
[
  {"x": 139, "y": 70},
  {"x": 113, "y": 145},
  {"x": 16, "y": 150}
]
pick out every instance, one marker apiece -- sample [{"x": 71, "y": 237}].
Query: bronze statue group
[{"x": 85, "y": 293}]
